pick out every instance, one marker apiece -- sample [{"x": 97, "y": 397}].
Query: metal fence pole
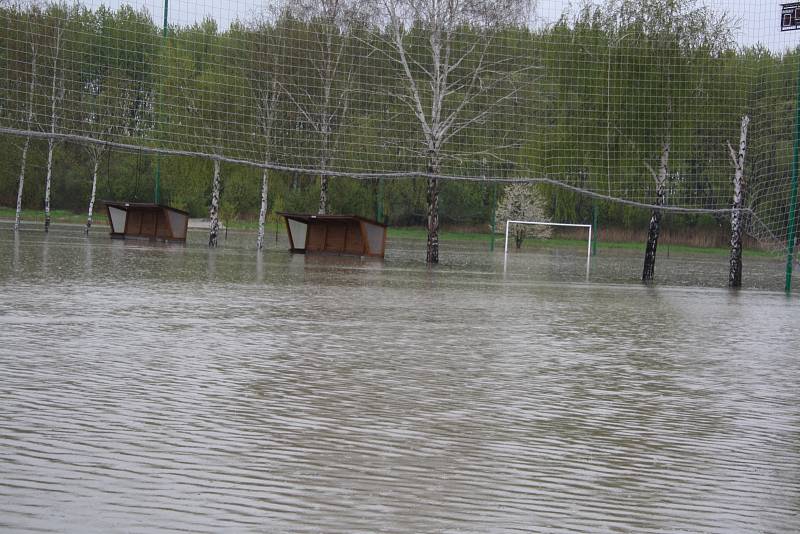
[
  {"x": 157, "y": 192},
  {"x": 793, "y": 195}
]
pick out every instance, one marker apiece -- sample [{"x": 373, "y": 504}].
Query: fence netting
[{"x": 588, "y": 97}]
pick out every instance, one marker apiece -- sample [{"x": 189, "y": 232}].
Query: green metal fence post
[
  {"x": 594, "y": 229},
  {"x": 157, "y": 193},
  {"x": 793, "y": 195},
  {"x": 494, "y": 216}
]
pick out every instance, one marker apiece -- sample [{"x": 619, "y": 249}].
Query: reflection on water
[{"x": 160, "y": 387}]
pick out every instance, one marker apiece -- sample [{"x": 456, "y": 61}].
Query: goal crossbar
[{"x": 539, "y": 223}]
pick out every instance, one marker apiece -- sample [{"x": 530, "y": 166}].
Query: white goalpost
[{"x": 539, "y": 223}]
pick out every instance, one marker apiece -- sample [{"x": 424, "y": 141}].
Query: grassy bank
[{"x": 56, "y": 216}]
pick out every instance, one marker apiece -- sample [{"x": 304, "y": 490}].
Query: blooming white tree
[{"x": 523, "y": 202}]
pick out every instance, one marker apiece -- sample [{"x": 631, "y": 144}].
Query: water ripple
[{"x": 187, "y": 394}]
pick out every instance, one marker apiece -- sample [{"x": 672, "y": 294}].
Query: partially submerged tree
[
  {"x": 737, "y": 216},
  {"x": 58, "y": 18},
  {"x": 447, "y": 76},
  {"x": 523, "y": 202},
  {"x": 263, "y": 71},
  {"x": 268, "y": 96},
  {"x": 321, "y": 85},
  {"x": 669, "y": 35},
  {"x": 107, "y": 105},
  {"x": 212, "y": 120},
  {"x": 654, "y": 228},
  {"x": 28, "y": 27},
  {"x": 115, "y": 89},
  {"x": 213, "y": 212}
]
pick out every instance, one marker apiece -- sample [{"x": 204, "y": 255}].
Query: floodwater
[{"x": 151, "y": 388}]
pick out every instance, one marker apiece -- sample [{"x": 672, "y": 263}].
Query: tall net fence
[{"x": 592, "y": 100}]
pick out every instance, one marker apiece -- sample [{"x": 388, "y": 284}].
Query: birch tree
[
  {"x": 737, "y": 217},
  {"x": 322, "y": 85},
  {"x": 57, "y": 91},
  {"x": 268, "y": 96},
  {"x": 213, "y": 212},
  {"x": 107, "y": 103},
  {"x": 115, "y": 95},
  {"x": 451, "y": 82},
  {"x": 29, "y": 110},
  {"x": 27, "y": 143},
  {"x": 210, "y": 102},
  {"x": 670, "y": 33},
  {"x": 654, "y": 227},
  {"x": 523, "y": 202},
  {"x": 263, "y": 71}
]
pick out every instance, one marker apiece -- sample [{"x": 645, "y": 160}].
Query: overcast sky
[{"x": 757, "y": 20}]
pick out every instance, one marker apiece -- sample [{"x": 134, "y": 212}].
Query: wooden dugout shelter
[
  {"x": 146, "y": 221},
  {"x": 335, "y": 234}
]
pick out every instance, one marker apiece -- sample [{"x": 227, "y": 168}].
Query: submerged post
[
  {"x": 505, "y": 247},
  {"x": 737, "y": 217},
  {"x": 589, "y": 254}
]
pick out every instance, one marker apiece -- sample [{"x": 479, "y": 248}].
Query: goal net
[{"x": 590, "y": 101}]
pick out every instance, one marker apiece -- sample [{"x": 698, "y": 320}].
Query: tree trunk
[
  {"x": 50, "y": 148},
  {"x": 18, "y": 216},
  {"x": 27, "y": 144},
  {"x": 652, "y": 245},
  {"x": 262, "y": 214},
  {"x": 214, "y": 213},
  {"x": 433, "y": 219},
  {"x": 95, "y": 169},
  {"x": 56, "y": 97},
  {"x": 519, "y": 237},
  {"x": 655, "y": 219},
  {"x": 266, "y": 109},
  {"x": 324, "y": 204},
  {"x": 737, "y": 219}
]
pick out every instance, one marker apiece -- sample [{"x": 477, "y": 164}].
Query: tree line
[{"x": 630, "y": 100}]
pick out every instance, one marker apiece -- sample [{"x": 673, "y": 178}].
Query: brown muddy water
[{"x": 151, "y": 388}]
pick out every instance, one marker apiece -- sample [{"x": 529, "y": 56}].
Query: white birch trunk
[
  {"x": 50, "y": 148},
  {"x": 324, "y": 202},
  {"x": 737, "y": 219},
  {"x": 214, "y": 212},
  {"x": 18, "y": 216},
  {"x": 432, "y": 253},
  {"x": 654, "y": 228},
  {"x": 323, "y": 195},
  {"x": 95, "y": 170},
  {"x": 262, "y": 214}
]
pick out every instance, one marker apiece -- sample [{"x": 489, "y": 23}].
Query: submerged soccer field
[{"x": 152, "y": 387}]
